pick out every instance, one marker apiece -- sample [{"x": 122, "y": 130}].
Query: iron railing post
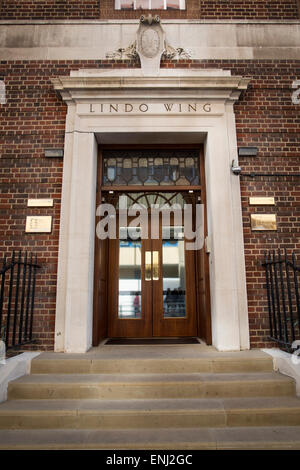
[
  {"x": 11, "y": 283},
  {"x": 3, "y": 272},
  {"x": 17, "y": 296},
  {"x": 281, "y": 307}
]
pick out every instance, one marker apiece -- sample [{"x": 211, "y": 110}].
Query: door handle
[
  {"x": 155, "y": 259},
  {"x": 148, "y": 265},
  {"x": 151, "y": 265}
]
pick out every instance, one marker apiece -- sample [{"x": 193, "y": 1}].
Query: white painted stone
[
  {"x": 216, "y": 130},
  {"x": 238, "y": 240},
  {"x": 80, "y": 268},
  {"x": 14, "y": 368},
  {"x": 223, "y": 277},
  {"x": 286, "y": 364},
  {"x": 138, "y": 73},
  {"x": 59, "y": 339},
  {"x": 92, "y": 40}
]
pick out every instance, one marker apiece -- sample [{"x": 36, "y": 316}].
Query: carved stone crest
[
  {"x": 149, "y": 43},
  {"x": 150, "y": 46}
]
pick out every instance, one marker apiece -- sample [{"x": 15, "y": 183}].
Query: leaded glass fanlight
[
  {"x": 151, "y": 167},
  {"x": 145, "y": 199}
]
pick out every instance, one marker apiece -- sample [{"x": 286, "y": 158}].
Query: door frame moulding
[
  {"x": 86, "y": 128},
  {"x": 201, "y": 258}
]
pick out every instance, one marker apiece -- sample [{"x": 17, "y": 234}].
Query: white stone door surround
[{"x": 202, "y": 111}]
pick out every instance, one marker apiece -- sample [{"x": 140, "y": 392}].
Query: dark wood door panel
[
  {"x": 183, "y": 326},
  {"x": 131, "y": 327}
]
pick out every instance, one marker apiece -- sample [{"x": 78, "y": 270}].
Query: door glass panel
[
  {"x": 173, "y": 272},
  {"x": 130, "y": 289}
]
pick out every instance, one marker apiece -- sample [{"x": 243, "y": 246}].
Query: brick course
[
  {"x": 104, "y": 9},
  {"x": 34, "y": 118},
  {"x": 49, "y": 9}
]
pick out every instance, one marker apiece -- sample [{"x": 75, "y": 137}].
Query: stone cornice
[
  {"x": 93, "y": 88},
  {"x": 136, "y": 21}
]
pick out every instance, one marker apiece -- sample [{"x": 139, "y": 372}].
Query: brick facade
[
  {"x": 104, "y": 9},
  {"x": 49, "y": 9},
  {"x": 34, "y": 119},
  {"x": 249, "y": 9}
]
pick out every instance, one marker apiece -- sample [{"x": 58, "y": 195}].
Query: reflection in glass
[
  {"x": 129, "y": 275},
  {"x": 150, "y": 4},
  {"x": 157, "y": 4},
  {"x": 173, "y": 271},
  {"x": 126, "y": 5},
  {"x": 173, "y": 4},
  {"x": 142, "y": 4}
]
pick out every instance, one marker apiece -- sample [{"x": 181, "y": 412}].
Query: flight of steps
[{"x": 176, "y": 399}]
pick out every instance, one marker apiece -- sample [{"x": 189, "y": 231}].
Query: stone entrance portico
[{"x": 191, "y": 107}]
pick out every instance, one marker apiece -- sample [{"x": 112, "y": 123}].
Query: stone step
[
  {"x": 263, "y": 438},
  {"x": 150, "y": 386},
  {"x": 244, "y": 361},
  {"x": 131, "y": 414}
]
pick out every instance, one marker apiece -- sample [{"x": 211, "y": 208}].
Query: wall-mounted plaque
[
  {"x": 263, "y": 222},
  {"x": 40, "y": 203},
  {"x": 247, "y": 151},
  {"x": 38, "y": 224},
  {"x": 54, "y": 153},
  {"x": 261, "y": 201}
]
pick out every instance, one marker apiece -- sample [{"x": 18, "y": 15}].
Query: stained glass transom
[{"x": 151, "y": 167}]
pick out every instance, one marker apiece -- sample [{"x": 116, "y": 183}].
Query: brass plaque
[
  {"x": 38, "y": 224},
  {"x": 263, "y": 222},
  {"x": 261, "y": 201},
  {"x": 40, "y": 203}
]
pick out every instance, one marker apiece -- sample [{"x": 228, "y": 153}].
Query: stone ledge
[
  {"x": 136, "y": 21},
  {"x": 14, "y": 368},
  {"x": 283, "y": 362}
]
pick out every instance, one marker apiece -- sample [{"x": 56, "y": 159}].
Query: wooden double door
[{"x": 151, "y": 283}]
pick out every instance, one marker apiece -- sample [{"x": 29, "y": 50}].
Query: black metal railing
[
  {"x": 282, "y": 283},
  {"x": 17, "y": 295}
]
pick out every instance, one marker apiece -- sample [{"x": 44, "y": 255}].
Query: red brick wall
[
  {"x": 249, "y": 9},
  {"x": 95, "y": 9},
  {"x": 49, "y": 9},
  {"x": 34, "y": 117}
]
